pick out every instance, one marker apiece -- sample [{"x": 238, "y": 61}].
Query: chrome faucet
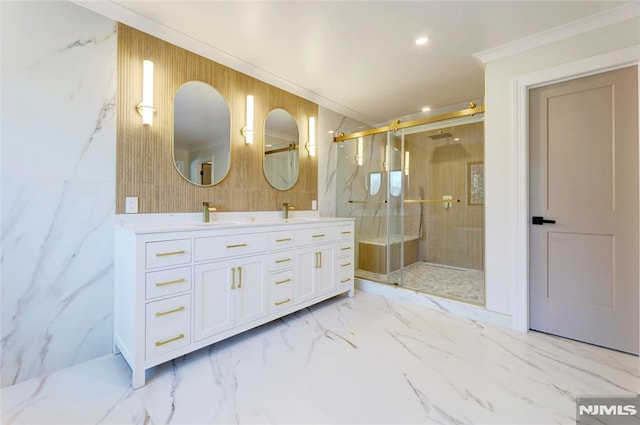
[
  {"x": 285, "y": 209},
  {"x": 207, "y": 209}
]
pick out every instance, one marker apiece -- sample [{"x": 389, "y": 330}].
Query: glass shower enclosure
[{"x": 417, "y": 198}]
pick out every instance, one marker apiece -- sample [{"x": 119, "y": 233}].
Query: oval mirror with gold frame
[
  {"x": 281, "y": 150},
  {"x": 201, "y": 134}
]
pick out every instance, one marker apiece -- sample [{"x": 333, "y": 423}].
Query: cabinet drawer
[
  {"x": 315, "y": 235},
  {"x": 167, "y": 282},
  {"x": 345, "y": 232},
  {"x": 281, "y": 279},
  {"x": 281, "y": 291},
  {"x": 282, "y": 260},
  {"x": 345, "y": 249},
  {"x": 168, "y": 253},
  {"x": 168, "y": 325},
  {"x": 281, "y": 240},
  {"x": 233, "y": 245},
  {"x": 345, "y": 270}
]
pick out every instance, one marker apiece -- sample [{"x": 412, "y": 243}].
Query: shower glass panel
[
  {"x": 363, "y": 186},
  {"x": 417, "y": 197},
  {"x": 444, "y": 211},
  {"x": 395, "y": 207}
]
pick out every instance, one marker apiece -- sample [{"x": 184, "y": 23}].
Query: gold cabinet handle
[
  {"x": 320, "y": 254},
  {"x": 283, "y": 261},
  {"x": 166, "y": 254},
  {"x": 280, "y": 282},
  {"x": 345, "y": 264},
  {"x": 315, "y": 260},
  {"x": 283, "y": 240},
  {"x": 164, "y": 313},
  {"x": 239, "y": 277},
  {"x": 345, "y": 248},
  {"x": 348, "y": 232},
  {"x": 288, "y": 300},
  {"x": 159, "y": 343},
  {"x": 237, "y": 245},
  {"x": 345, "y": 280},
  {"x": 320, "y": 235},
  {"x": 171, "y": 282},
  {"x": 233, "y": 278}
]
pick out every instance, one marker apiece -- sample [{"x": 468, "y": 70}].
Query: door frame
[{"x": 520, "y": 156}]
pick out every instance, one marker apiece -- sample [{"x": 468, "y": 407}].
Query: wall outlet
[
  {"x": 314, "y": 205},
  {"x": 131, "y": 205}
]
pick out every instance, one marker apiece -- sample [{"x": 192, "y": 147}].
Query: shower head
[{"x": 441, "y": 135}]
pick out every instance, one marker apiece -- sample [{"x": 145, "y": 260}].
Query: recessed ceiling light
[
  {"x": 330, "y": 131},
  {"x": 457, "y": 139},
  {"x": 420, "y": 41},
  {"x": 426, "y": 109}
]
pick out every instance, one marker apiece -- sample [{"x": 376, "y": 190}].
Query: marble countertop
[{"x": 153, "y": 223}]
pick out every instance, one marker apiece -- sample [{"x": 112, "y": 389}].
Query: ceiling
[{"x": 359, "y": 57}]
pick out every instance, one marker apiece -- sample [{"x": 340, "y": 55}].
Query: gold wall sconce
[
  {"x": 311, "y": 145},
  {"x": 406, "y": 163},
  {"x": 248, "y": 131},
  {"x": 360, "y": 151},
  {"x": 387, "y": 157},
  {"x": 145, "y": 108}
]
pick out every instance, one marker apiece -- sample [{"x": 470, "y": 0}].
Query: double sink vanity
[{"x": 182, "y": 286}]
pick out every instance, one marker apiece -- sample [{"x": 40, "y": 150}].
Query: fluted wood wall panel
[{"x": 145, "y": 166}]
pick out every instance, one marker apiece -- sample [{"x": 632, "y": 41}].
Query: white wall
[
  {"x": 58, "y": 140},
  {"x": 500, "y": 170}
]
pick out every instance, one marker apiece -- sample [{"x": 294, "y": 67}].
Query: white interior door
[{"x": 583, "y": 139}]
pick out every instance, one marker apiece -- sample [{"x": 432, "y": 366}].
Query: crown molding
[
  {"x": 590, "y": 23},
  {"x": 119, "y": 13}
]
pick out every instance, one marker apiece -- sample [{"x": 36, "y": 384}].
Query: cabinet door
[
  {"x": 213, "y": 299},
  {"x": 251, "y": 292},
  {"x": 325, "y": 273},
  {"x": 304, "y": 288}
]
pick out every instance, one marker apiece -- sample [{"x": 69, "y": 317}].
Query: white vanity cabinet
[
  {"x": 229, "y": 293},
  {"x": 181, "y": 287},
  {"x": 315, "y": 273}
]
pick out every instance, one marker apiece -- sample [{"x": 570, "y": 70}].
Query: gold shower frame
[{"x": 398, "y": 125}]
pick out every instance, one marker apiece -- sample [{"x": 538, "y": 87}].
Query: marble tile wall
[
  {"x": 58, "y": 126},
  {"x": 330, "y": 184}
]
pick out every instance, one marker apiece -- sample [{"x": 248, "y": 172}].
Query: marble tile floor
[
  {"x": 360, "y": 360},
  {"x": 466, "y": 285}
]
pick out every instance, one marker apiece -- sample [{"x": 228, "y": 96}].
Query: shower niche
[{"x": 416, "y": 194}]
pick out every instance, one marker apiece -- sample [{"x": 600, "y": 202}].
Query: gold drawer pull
[
  {"x": 159, "y": 343},
  {"x": 166, "y": 254},
  {"x": 345, "y": 264},
  {"x": 283, "y": 261},
  {"x": 345, "y": 248},
  {"x": 171, "y": 282},
  {"x": 348, "y": 232},
  {"x": 345, "y": 280},
  {"x": 280, "y": 282},
  {"x": 283, "y": 301},
  {"x": 283, "y": 240},
  {"x": 164, "y": 313},
  {"x": 320, "y": 235},
  {"x": 237, "y": 245}
]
